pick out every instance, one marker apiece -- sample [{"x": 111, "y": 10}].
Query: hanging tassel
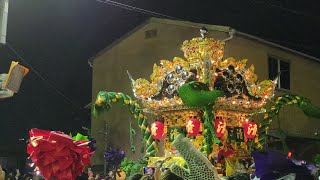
[
  {"x": 142, "y": 145},
  {"x": 132, "y": 134}
]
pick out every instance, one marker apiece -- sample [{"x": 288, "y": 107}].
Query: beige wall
[
  {"x": 304, "y": 75},
  {"x": 138, "y": 55}
]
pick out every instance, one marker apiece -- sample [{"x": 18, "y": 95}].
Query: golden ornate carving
[{"x": 196, "y": 51}]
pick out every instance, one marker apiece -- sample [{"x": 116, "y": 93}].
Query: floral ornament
[
  {"x": 144, "y": 89},
  {"x": 197, "y": 48},
  {"x": 57, "y": 155}
]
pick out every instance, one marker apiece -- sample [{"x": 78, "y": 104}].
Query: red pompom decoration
[
  {"x": 250, "y": 130},
  {"x": 157, "y": 130},
  {"x": 57, "y": 155},
  {"x": 193, "y": 127}
]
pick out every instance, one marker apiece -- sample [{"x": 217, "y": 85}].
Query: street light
[{"x": 4, "y": 6}]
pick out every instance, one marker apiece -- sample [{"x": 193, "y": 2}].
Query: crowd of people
[
  {"x": 16, "y": 175},
  {"x": 6, "y": 174}
]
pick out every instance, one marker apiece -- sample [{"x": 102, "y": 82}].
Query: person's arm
[
  {"x": 2, "y": 173},
  {"x": 17, "y": 174}
]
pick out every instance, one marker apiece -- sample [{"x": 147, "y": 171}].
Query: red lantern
[
  {"x": 193, "y": 127},
  {"x": 157, "y": 130},
  {"x": 220, "y": 127},
  {"x": 250, "y": 130}
]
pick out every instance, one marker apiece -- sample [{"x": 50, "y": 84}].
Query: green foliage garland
[
  {"x": 304, "y": 104},
  {"x": 131, "y": 167},
  {"x": 103, "y": 102}
]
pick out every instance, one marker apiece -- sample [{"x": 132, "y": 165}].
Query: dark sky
[{"x": 57, "y": 37}]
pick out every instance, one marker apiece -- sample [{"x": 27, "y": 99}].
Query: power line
[
  {"x": 77, "y": 108},
  {"x": 292, "y": 11},
  {"x": 140, "y": 10},
  {"x": 153, "y": 13}
]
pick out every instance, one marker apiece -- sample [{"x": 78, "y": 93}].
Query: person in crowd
[
  {"x": 10, "y": 176},
  {"x": 17, "y": 174},
  {"x": 84, "y": 176},
  {"x": 97, "y": 177},
  {"x": 2, "y": 173},
  {"x": 37, "y": 177}
]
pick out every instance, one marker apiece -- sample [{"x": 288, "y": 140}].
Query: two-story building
[{"x": 158, "y": 39}]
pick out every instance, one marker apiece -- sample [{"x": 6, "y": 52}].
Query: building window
[
  {"x": 281, "y": 68},
  {"x": 150, "y": 33}
]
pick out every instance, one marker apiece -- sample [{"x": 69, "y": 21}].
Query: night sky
[{"x": 57, "y": 37}]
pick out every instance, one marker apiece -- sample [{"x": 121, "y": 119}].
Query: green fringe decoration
[
  {"x": 103, "y": 103},
  {"x": 304, "y": 104}
]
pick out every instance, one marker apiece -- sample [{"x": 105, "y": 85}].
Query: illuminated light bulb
[
  {"x": 266, "y": 96},
  {"x": 233, "y": 102},
  {"x": 216, "y": 74},
  {"x": 247, "y": 119}
]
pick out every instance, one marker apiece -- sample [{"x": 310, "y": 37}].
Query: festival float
[{"x": 216, "y": 103}]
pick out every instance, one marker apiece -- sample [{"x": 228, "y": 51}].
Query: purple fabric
[
  {"x": 272, "y": 165},
  {"x": 114, "y": 157}
]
